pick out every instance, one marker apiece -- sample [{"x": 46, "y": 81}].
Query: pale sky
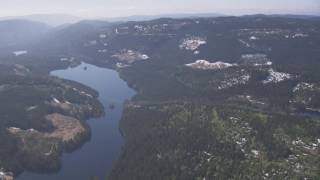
[{"x": 114, "y": 8}]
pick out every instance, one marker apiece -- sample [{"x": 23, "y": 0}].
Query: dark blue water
[{"x": 97, "y": 156}]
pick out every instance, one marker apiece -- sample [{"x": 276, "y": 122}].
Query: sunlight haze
[{"x": 116, "y": 8}]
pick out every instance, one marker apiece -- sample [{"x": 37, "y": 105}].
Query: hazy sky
[{"x": 112, "y": 8}]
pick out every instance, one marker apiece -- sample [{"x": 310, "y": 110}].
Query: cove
[{"x": 96, "y": 157}]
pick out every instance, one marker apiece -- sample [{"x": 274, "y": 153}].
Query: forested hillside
[{"x": 217, "y": 98}]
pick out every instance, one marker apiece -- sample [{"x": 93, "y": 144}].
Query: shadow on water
[{"x": 95, "y": 158}]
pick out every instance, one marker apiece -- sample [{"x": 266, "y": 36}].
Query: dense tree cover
[
  {"x": 182, "y": 126},
  {"x": 193, "y": 141}
]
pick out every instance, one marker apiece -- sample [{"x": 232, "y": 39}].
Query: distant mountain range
[
  {"x": 151, "y": 17},
  {"x": 50, "y": 19},
  {"x": 16, "y": 32},
  {"x": 62, "y": 19},
  {"x": 296, "y": 16}
]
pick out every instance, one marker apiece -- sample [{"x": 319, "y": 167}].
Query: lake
[{"x": 97, "y": 156}]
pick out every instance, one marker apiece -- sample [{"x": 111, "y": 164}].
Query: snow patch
[
  {"x": 102, "y": 50},
  {"x": 256, "y": 60},
  {"x": 56, "y": 100},
  {"x": 255, "y": 153},
  {"x": 130, "y": 56},
  {"x": 243, "y": 79},
  {"x": 31, "y": 108},
  {"x": 121, "y": 65},
  {"x": 244, "y": 43},
  {"x": 64, "y": 59},
  {"x": 299, "y": 35},
  {"x": 20, "y": 53},
  {"x": 276, "y": 77},
  {"x": 14, "y": 130},
  {"x": 206, "y": 65},
  {"x": 192, "y": 43},
  {"x": 250, "y": 99},
  {"x": 303, "y": 86},
  {"x": 102, "y": 36},
  {"x": 252, "y": 38}
]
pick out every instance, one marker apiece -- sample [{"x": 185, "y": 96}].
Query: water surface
[{"x": 96, "y": 157}]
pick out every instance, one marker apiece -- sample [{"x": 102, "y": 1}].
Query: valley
[{"x": 216, "y": 98}]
